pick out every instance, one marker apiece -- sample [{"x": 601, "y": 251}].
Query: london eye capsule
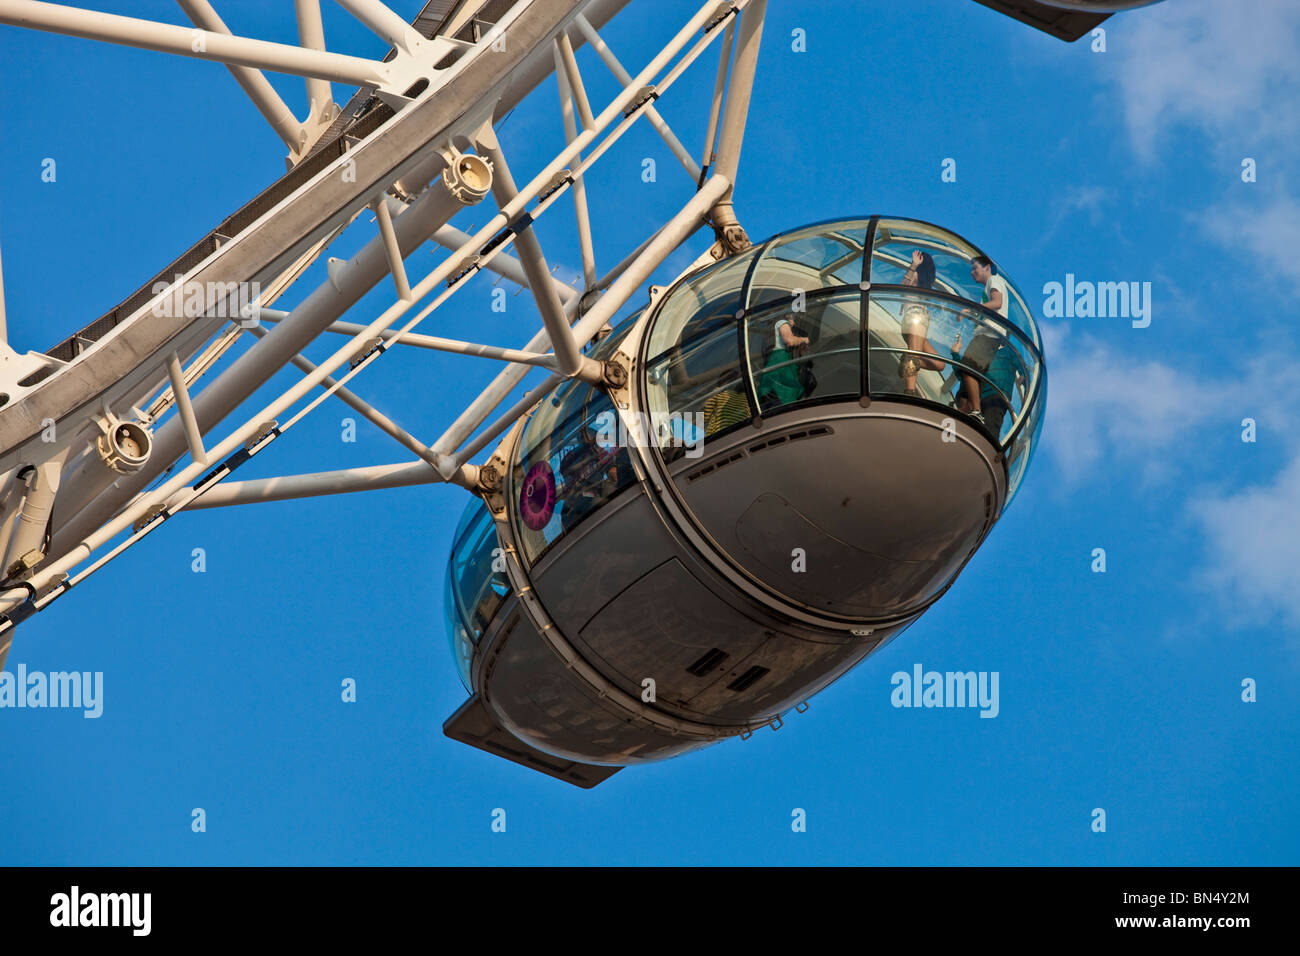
[{"x": 813, "y": 439}]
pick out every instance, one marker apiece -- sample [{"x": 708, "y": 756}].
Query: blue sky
[{"x": 1119, "y": 690}]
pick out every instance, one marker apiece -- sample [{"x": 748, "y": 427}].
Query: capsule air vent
[
  {"x": 748, "y": 679},
  {"x": 715, "y": 465},
  {"x": 711, "y": 659},
  {"x": 789, "y": 437}
]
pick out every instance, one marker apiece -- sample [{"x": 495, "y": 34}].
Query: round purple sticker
[{"x": 537, "y": 500}]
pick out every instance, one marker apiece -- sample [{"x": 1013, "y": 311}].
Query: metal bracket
[
  {"x": 263, "y": 430},
  {"x": 491, "y": 485},
  {"x": 147, "y": 518}
]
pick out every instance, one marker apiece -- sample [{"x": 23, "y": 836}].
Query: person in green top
[{"x": 781, "y": 385}]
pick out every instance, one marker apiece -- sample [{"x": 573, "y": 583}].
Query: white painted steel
[{"x": 169, "y": 38}]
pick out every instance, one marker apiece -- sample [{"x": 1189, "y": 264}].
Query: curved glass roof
[{"x": 872, "y": 307}]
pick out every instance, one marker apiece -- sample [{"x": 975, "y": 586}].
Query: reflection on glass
[
  {"x": 698, "y": 307},
  {"x": 897, "y": 240},
  {"x": 462, "y": 649},
  {"x": 1025, "y": 443},
  {"x": 819, "y": 257},
  {"x": 701, "y": 378},
  {"x": 572, "y": 461},
  {"x": 897, "y": 244},
  {"x": 475, "y": 590}
]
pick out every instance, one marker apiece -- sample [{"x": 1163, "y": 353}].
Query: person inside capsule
[
  {"x": 784, "y": 380},
  {"x": 916, "y": 324},
  {"x": 727, "y": 405},
  {"x": 979, "y": 354}
]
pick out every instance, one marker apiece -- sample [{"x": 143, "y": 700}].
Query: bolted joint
[
  {"x": 588, "y": 298},
  {"x": 147, "y": 518},
  {"x": 730, "y": 234},
  {"x": 734, "y": 239},
  {"x": 489, "y": 479},
  {"x": 614, "y": 375}
]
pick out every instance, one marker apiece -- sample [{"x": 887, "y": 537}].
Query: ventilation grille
[
  {"x": 711, "y": 659},
  {"x": 786, "y": 437},
  {"x": 715, "y": 465},
  {"x": 748, "y": 679}
]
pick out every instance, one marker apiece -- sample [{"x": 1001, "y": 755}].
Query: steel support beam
[
  {"x": 585, "y": 243},
  {"x": 384, "y": 23},
  {"x": 468, "y": 10},
  {"x": 569, "y": 360},
  {"x": 181, "y": 395},
  {"x": 518, "y": 409},
  {"x": 748, "y": 37},
  {"x": 201, "y": 44},
  {"x": 256, "y": 85},
  {"x": 657, "y": 121},
  {"x": 478, "y": 410},
  {"x": 676, "y": 231},
  {"x": 395, "y": 264},
  {"x": 503, "y": 264},
  {"x": 512, "y": 213},
  {"x": 362, "y": 407},
  {"x": 288, "y": 487},
  {"x": 311, "y": 36},
  {"x": 719, "y": 94},
  {"x": 433, "y": 342},
  {"x": 567, "y": 65},
  {"x": 254, "y": 368}
]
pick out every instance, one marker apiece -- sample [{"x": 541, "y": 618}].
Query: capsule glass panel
[
  {"x": 694, "y": 380},
  {"x": 572, "y": 461},
  {"x": 807, "y": 355},
  {"x": 925, "y": 347},
  {"x": 1025, "y": 443},
  {"x": 819, "y": 257},
  {"x": 789, "y": 324},
  {"x": 699, "y": 306},
  {"x": 945, "y": 261},
  {"x": 475, "y": 591}
]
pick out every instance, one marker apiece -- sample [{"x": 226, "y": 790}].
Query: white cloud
[
  {"x": 1076, "y": 199},
  {"x": 1263, "y": 233},
  {"x": 1227, "y": 69},
  {"x": 1112, "y": 412},
  {"x": 1253, "y": 540},
  {"x": 1113, "y": 407},
  {"x": 1228, "y": 74}
]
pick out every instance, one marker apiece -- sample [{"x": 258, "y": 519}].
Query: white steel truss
[{"x": 96, "y": 518}]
